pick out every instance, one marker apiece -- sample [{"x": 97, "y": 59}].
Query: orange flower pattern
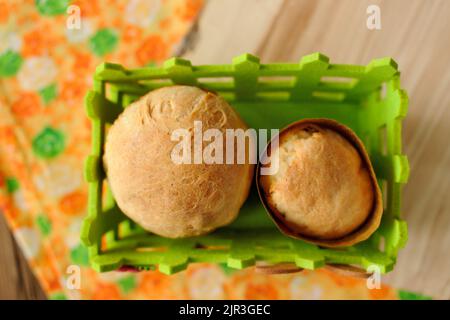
[
  {"x": 153, "y": 48},
  {"x": 27, "y": 104}
]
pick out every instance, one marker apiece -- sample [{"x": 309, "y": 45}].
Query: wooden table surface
[{"x": 415, "y": 33}]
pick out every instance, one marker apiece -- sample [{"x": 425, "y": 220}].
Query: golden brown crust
[
  {"x": 325, "y": 190},
  {"x": 173, "y": 200}
]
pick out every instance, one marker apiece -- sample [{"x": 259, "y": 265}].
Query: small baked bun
[
  {"x": 165, "y": 197},
  {"x": 324, "y": 190}
]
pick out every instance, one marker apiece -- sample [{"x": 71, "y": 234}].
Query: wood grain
[
  {"x": 415, "y": 34},
  {"x": 16, "y": 279}
]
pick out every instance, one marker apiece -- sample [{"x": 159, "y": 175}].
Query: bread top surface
[
  {"x": 169, "y": 199},
  {"x": 323, "y": 188}
]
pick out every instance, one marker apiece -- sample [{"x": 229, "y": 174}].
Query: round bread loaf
[
  {"x": 324, "y": 188},
  {"x": 165, "y": 197}
]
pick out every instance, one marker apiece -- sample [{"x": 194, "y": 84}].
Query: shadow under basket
[{"x": 368, "y": 99}]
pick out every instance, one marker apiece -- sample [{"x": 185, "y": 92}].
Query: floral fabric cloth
[{"x": 48, "y": 52}]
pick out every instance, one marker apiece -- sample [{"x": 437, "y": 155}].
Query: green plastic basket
[{"x": 366, "y": 98}]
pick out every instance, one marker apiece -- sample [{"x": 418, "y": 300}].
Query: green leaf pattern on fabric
[
  {"x": 79, "y": 255},
  {"x": 103, "y": 41},
  {"x": 127, "y": 284},
  {"x": 52, "y": 7},
  {"x": 44, "y": 224},
  {"x": 48, "y": 93},
  {"x": 48, "y": 143},
  {"x": 407, "y": 295},
  {"x": 12, "y": 184},
  {"x": 10, "y": 63}
]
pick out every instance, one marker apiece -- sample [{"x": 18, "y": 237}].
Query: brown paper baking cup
[
  {"x": 278, "y": 268},
  {"x": 348, "y": 270},
  {"x": 371, "y": 223}
]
